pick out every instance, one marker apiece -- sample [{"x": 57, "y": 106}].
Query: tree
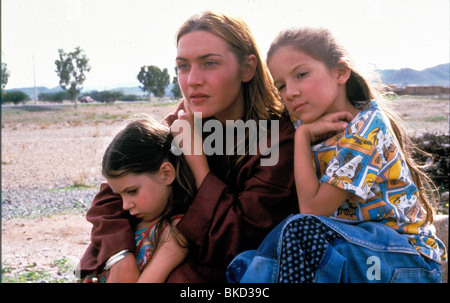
[
  {"x": 71, "y": 68},
  {"x": 5, "y": 75},
  {"x": 176, "y": 91},
  {"x": 109, "y": 96},
  {"x": 154, "y": 80},
  {"x": 54, "y": 97},
  {"x": 15, "y": 97}
]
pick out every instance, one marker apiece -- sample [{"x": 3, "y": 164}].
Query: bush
[
  {"x": 438, "y": 165},
  {"x": 14, "y": 97},
  {"x": 128, "y": 98},
  {"x": 105, "y": 96},
  {"x": 54, "y": 97}
]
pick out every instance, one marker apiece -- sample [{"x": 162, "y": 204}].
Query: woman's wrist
[
  {"x": 116, "y": 258},
  {"x": 124, "y": 270},
  {"x": 200, "y": 172}
]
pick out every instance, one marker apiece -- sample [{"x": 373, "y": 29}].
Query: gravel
[
  {"x": 31, "y": 203},
  {"x": 50, "y": 166}
]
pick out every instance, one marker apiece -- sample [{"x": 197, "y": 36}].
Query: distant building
[{"x": 421, "y": 90}]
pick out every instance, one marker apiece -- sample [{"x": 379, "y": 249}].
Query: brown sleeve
[
  {"x": 112, "y": 229},
  {"x": 222, "y": 222}
]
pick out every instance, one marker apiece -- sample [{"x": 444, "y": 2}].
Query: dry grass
[
  {"x": 49, "y": 146},
  {"x": 423, "y": 115},
  {"x": 60, "y": 145}
]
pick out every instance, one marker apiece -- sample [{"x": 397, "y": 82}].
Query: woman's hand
[
  {"x": 124, "y": 271},
  {"x": 191, "y": 143},
  {"x": 326, "y": 126}
]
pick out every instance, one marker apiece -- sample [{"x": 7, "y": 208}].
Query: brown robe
[{"x": 228, "y": 214}]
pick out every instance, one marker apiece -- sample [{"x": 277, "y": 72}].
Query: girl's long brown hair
[
  {"x": 321, "y": 45},
  {"x": 141, "y": 148}
]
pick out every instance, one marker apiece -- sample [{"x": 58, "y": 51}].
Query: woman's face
[{"x": 210, "y": 76}]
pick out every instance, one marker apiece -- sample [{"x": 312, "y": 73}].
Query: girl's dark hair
[
  {"x": 141, "y": 148},
  {"x": 320, "y": 44}
]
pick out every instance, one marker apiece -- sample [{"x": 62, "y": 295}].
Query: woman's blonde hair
[
  {"x": 261, "y": 99},
  {"x": 260, "y": 95},
  {"x": 321, "y": 45}
]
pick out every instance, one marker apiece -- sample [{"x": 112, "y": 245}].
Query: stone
[{"x": 441, "y": 224}]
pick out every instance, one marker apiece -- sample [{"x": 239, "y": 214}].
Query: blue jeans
[{"x": 368, "y": 252}]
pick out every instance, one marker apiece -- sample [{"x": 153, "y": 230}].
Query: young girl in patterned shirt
[
  {"x": 360, "y": 182},
  {"x": 156, "y": 188}
]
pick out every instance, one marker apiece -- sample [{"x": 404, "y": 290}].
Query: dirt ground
[
  {"x": 37, "y": 244},
  {"x": 54, "y": 147},
  {"x": 63, "y": 147}
]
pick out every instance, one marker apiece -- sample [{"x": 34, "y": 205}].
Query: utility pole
[{"x": 35, "y": 90}]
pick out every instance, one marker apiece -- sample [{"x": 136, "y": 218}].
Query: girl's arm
[
  {"x": 170, "y": 252},
  {"x": 316, "y": 198}
]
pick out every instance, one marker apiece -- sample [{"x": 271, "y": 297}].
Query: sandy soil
[
  {"x": 37, "y": 244},
  {"x": 63, "y": 147},
  {"x": 54, "y": 149}
]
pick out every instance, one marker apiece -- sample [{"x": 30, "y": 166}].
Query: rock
[{"x": 441, "y": 224}]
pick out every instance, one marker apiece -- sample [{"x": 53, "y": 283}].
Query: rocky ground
[
  {"x": 51, "y": 171},
  {"x": 51, "y": 160}
]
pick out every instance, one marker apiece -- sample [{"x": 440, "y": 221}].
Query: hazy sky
[{"x": 121, "y": 36}]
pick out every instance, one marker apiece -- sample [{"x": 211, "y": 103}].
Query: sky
[{"x": 120, "y": 36}]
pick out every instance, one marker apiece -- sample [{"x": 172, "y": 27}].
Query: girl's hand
[{"x": 326, "y": 126}]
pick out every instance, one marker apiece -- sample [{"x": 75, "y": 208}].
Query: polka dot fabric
[{"x": 304, "y": 243}]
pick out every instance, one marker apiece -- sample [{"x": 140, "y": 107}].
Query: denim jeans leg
[
  {"x": 386, "y": 257},
  {"x": 367, "y": 253},
  {"x": 259, "y": 266}
]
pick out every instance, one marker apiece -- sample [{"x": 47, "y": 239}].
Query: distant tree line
[
  {"x": 71, "y": 68},
  {"x": 99, "y": 96},
  {"x": 111, "y": 96}
]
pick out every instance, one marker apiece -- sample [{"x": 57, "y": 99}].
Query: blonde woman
[{"x": 238, "y": 199}]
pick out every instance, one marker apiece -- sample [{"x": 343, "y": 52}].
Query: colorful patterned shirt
[
  {"x": 145, "y": 242},
  {"x": 366, "y": 160},
  {"x": 145, "y": 247}
]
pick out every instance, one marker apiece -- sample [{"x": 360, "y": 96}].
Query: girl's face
[
  {"x": 210, "y": 76},
  {"x": 308, "y": 88},
  {"x": 144, "y": 195}
]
